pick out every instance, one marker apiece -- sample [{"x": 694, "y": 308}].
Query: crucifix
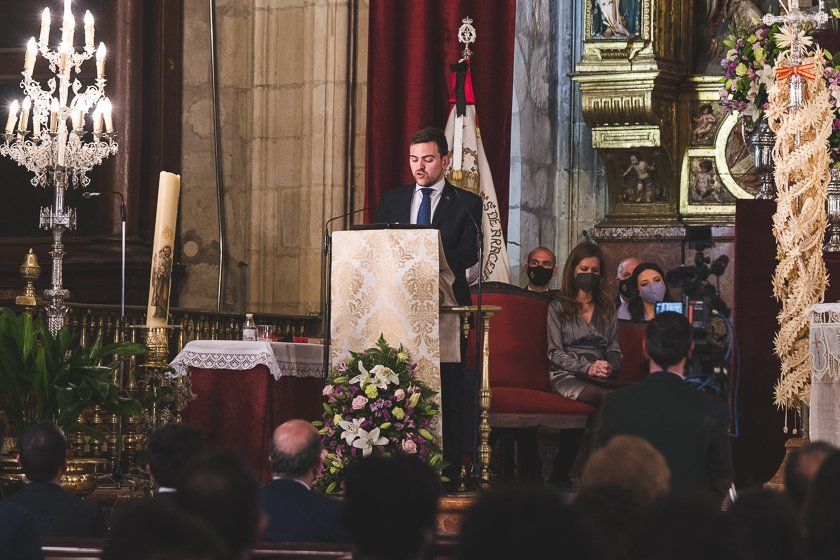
[{"x": 795, "y": 20}]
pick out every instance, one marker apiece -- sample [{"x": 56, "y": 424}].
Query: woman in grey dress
[{"x": 582, "y": 328}]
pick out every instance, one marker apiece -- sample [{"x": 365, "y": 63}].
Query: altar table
[
  {"x": 246, "y": 389},
  {"x": 824, "y": 412}
]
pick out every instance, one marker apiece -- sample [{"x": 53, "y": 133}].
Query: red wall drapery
[{"x": 411, "y": 45}]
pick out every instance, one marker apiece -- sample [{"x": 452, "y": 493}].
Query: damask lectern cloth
[
  {"x": 392, "y": 282},
  {"x": 281, "y": 358},
  {"x": 824, "y": 412}
]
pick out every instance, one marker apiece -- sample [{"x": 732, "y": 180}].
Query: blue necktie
[{"x": 424, "y": 214}]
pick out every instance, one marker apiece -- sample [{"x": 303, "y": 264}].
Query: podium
[{"x": 392, "y": 282}]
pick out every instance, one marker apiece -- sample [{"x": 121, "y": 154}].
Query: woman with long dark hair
[
  {"x": 647, "y": 287},
  {"x": 582, "y": 328}
]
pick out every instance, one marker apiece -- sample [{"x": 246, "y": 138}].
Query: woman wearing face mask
[
  {"x": 648, "y": 283},
  {"x": 582, "y": 328}
]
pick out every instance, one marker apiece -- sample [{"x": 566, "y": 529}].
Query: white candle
[
  {"x": 169, "y": 189},
  {"x": 62, "y": 58},
  {"x": 13, "y": 113},
  {"x": 100, "y": 61},
  {"x": 78, "y": 116},
  {"x": 97, "y": 119},
  {"x": 106, "y": 114},
  {"x": 67, "y": 10},
  {"x": 68, "y": 30},
  {"x": 36, "y": 126},
  {"x": 54, "y": 107},
  {"x": 89, "y": 31},
  {"x": 29, "y": 58},
  {"x": 24, "y": 114},
  {"x": 62, "y": 143},
  {"x": 45, "y": 27}
]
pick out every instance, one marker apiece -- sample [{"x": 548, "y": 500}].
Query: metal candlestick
[
  {"x": 832, "y": 244},
  {"x": 762, "y": 140}
]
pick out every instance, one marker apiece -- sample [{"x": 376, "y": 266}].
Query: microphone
[
  {"x": 340, "y": 216},
  {"x": 88, "y": 194}
]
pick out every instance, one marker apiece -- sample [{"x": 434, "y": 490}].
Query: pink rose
[
  {"x": 399, "y": 395},
  {"x": 359, "y": 402},
  {"x": 409, "y": 446},
  {"x": 328, "y": 390}
]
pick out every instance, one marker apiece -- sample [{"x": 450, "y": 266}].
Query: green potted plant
[{"x": 46, "y": 378}]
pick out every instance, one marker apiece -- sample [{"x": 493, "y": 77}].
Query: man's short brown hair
[
  {"x": 632, "y": 464},
  {"x": 431, "y": 134}
]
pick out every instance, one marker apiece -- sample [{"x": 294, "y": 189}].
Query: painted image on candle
[{"x": 161, "y": 280}]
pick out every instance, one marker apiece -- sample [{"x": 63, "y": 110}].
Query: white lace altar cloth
[
  {"x": 281, "y": 358},
  {"x": 824, "y": 411}
]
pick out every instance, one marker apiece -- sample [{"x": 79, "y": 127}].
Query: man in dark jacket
[
  {"x": 296, "y": 512},
  {"x": 170, "y": 450},
  {"x": 689, "y": 427},
  {"x": 43, "y": 454}
]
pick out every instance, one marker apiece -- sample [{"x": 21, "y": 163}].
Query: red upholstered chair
[{"x": 521, "y": 392}]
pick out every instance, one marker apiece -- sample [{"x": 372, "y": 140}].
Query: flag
[{"x": 470, "y": 171}]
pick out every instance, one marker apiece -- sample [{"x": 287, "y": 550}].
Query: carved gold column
[{"x": 630, "y": 75}]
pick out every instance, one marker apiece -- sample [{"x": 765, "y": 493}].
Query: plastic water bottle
[{"x": 249, "y": 329}]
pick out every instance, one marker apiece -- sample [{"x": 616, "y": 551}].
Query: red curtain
[{"x": 411, "y": 45}]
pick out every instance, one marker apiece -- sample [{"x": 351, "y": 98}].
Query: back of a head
[
  {"x": 220, "y": 489},
  {"x": 400, "y": 493},
  {"x": 295, "y": 449},
  {"x": 631, "y": 463},
  {"x": 170, "y": 449},
  {"x": 668, "y": 339},
  {"x": 822, "y": 516},
  {"x": 802, "y": 467},
  {"x": 43, "y": 452},
  {"x": 766, "y": 521},
  {"x": 688, "y": 529},
  {"x": 154, "y": 531},
  {"x": 521, "y": 522}
]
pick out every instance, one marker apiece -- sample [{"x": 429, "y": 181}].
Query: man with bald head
[
  {"x": 296, "y": 512},
  {"x": 622, "y": 274}
]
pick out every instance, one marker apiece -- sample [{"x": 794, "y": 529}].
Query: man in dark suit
[
  {"x": 170, "y": 449},
  {"x": 433, "y": 201},
  {"x": 43, "y": 454},
  {"x": 296, "y": 513},
  {"x": 689, "y": 427}
]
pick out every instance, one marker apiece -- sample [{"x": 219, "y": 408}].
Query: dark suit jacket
[
  {"x": 18, "y": 536},
  {"x": 58, "y": 513},
  {"x": 296, "y": 514},
  {"x": 689, "y": 427},
  {"x": 452, "y": 218}
]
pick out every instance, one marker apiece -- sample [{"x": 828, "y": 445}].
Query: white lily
[
  {"x": 765, "y": 75},
  {"x": 367, "y": 440},
  {"x": 363, "y": 378},
  {"x": 352, "y": 430},
  {"x": 750, "y": 111},
  {"x": 383, "y": 376}
]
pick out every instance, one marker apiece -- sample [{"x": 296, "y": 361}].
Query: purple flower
[{"x": 835, "y": 125}]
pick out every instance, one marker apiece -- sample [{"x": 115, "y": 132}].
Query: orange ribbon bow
[{"x": 804, "y": 70}]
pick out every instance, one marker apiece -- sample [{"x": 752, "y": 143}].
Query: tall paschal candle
[{"x": 169, "y": 190}]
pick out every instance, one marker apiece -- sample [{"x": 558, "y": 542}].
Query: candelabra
[{"x": 58, "y": 156}]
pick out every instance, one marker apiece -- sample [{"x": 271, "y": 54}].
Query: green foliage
[{"x": 45, "y": 378}]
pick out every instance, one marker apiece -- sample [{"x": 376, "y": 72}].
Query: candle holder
[{"x": 60, "y": 157}]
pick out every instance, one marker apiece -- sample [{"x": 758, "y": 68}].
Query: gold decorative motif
[{"x": 30, "y": 270}]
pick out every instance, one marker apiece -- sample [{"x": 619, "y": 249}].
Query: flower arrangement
[
  {"x": 373, "y": 403},
  {"x": 748, "y": 70}
]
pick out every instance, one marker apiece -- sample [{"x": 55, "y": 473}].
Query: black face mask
[
  {"x": 539, "y": 276},
  {"x": 586, "y": 281},
  {"x": 624, "y": 288}
]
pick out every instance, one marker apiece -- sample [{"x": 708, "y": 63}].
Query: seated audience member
[
  {"x": 542, "y": 267},
  {"x": 631, "y": 463},
  {"x": 822, "y": 514},
  {"x": 615, "y": 511},
  {"x": 43, "y": 454},
  {"x": 582, "y": 328},
  {"x": 522, "y": 522},
  {"x": 646, "y": 288},
  {"x": 767, "y": 523},
  {"x": 221, "y": 490},
  {"x": 802, "y": 466},
  {"x": 296, "y": 513},
  {"x": 689, "y": 427},
  {"x": 390, "y": 507},
  {"x": 18, "y": 535},
  {"x": 154, "y": 530},
  {"x": 686, "y": 529},
  {"x": 622, "y": 275},
  {"x": 170, "y": 449}
]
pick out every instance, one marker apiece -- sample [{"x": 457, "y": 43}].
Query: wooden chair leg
[{"x": 547, "y": 443}]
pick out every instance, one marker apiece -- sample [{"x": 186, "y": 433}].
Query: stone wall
[
  {"x": 283, "y": 82},
  {"x": 557, "y": 186}
]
